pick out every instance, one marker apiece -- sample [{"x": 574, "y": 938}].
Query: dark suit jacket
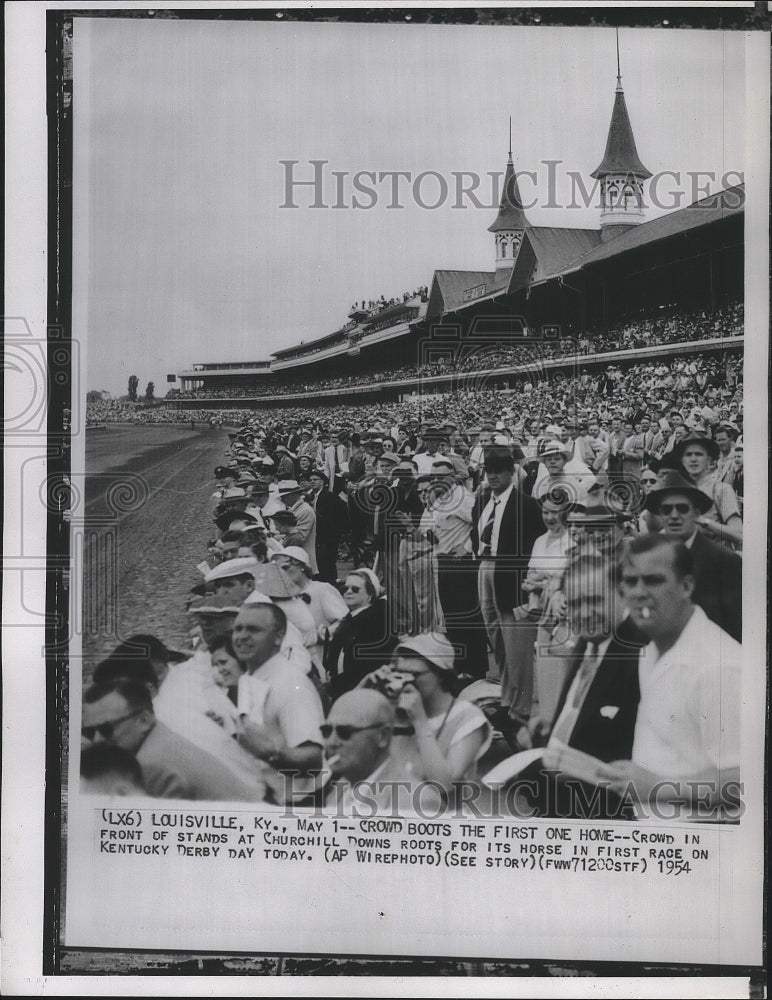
[
  {"x": 615, "y": 685},
  {"x": 366, "y": 644},
  {"x": 521, "y": 525},
  {"x": 331, "y": 519},
  {"x": 718, "y": 584}
]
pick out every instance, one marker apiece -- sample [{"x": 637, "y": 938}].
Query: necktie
[
  {"x": 487, "y": 533},
  {"x": 564, "y": 726},
  {"x": 586, "y": 673}
]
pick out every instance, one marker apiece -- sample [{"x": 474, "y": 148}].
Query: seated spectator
[{"x": 121, "y": 713}]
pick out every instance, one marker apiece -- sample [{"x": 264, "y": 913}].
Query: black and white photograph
[{"x": 381, "y": 384}]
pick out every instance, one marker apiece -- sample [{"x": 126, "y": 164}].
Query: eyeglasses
[
  {"x": 679, "y": 508},
  {"x": 352, "y": 590},
  {"x": 649, "y": 481},
  {"x": 106, "y": 729},
  {"x": 345, "y": 732}
]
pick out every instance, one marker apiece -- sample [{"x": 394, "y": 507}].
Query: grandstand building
[{"x": 548, "y": 285}]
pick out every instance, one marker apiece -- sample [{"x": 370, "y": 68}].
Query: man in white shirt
[
  {"x": 686, "y": 747},
  {"x": 279, "y": 708}
]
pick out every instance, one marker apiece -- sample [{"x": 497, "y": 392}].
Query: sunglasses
[
  {"x": 106, "y": 729},
  {"x": 352, "y": 590},
  {"x": 679, "y": 508},
  {"x": 649, "y": 481},
  {"x": 345, "y": 732}
]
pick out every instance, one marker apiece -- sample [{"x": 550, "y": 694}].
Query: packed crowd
[
  {"x": 554, "y": 570},
  {"x": 664, "y": 329}
]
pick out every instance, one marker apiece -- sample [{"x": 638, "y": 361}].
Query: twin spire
[{"x": 620, "y": 172}]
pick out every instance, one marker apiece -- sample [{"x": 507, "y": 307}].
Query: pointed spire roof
[
  {"x": 511, "y": 213},
  {"x": 621, "y": 156}
]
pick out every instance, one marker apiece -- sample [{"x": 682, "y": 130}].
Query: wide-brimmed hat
[
  {"x": 232, "y": 567},
  {"x": 676, "y": 483},
  {"x": 273, "y": 582},
  {"x": 283, "y": 517},
  {"x": 225, "y": 519},
  {"x": 214, "y": 604},
  {"x": 430, "y": 646},
  {"x": 287, "y": 486},
  {"x": 553, "y": 448},
  {"x": 694, "y": 438}
]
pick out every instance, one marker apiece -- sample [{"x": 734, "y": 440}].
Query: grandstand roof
[
  {"x": 448, "y": 288},
  {"x": 553, "y": 249},
  {"x": 511, "y": 213},
  {"x": 621, "y": 156},
  {"x": 714, "y": 208}
]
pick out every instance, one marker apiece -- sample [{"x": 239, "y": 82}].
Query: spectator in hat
[
  {"x": 292, "y": 496},
  {"x": 335, "y": 461},
  {"x": 226, "y": 479},
  {"x": 717, "y": 572},
  {"x": 363, "y": 638},
  {"x": 505, "y": 524},
  {"x": 331, "y": 522},
  {"x": 543, "y": 588},
  {"x": 722, "y": 518},
  {"x": 555, "y": 471},
  {"x": 450, "y": 734},
  {"x": 431, "y": 439},
  {"x": 450, "y": 532},
  {"x": 284, "y": 529},
  {"x": 325, "y": 603},
  {"x": 725, "y": 436},
  {"x": 285, "y": 463}
]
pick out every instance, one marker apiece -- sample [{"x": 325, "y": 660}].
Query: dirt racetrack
[{"x": 148, "y": 519}]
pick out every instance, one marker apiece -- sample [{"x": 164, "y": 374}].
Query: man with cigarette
[
  {"x": 365, "y": 778},
  {"x": 686, "y": 747}
]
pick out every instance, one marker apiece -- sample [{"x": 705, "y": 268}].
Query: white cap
[
  {"x": 295, "y": 552},
  {"x": 232, "y": 567}
]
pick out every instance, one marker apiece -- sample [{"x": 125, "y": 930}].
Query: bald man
[{"x": 366, "y": 779}]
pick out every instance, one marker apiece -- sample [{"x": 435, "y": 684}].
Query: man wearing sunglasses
[
  {"x": 717, "y": 572},
  {"x": 365, "y": 779},
  {"x": 121, "y": 713}
]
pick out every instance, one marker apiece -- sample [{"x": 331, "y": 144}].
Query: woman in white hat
[
  {"x": 363, "y": 638},
  {"x": 326, "y": 605},
  {"x": 450, "y": 734}
]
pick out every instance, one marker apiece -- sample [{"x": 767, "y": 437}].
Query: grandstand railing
[{"x": 652, "y": 352}]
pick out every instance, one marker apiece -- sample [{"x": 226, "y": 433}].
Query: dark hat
[
  {"x": 710, "y": 446},
  {"x": 668, "y": 461},
  {"x": 283, "y": 517},
  {"x": 675, "y": 482},
  {"x": 227, "y": 517},
  {"x": 319, "y": 475},
  {"x": 223, "y": 470},
  {"x": 432, "y": 432}
]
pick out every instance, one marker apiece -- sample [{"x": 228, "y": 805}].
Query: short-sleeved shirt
[
  {"x": 689, "y": 714},
  {"x": 283, "y": 699},
  {"x": 724, "y": 499}
]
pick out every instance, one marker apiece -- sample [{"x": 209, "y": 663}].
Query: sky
[{"x": 185, "y": 249}]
